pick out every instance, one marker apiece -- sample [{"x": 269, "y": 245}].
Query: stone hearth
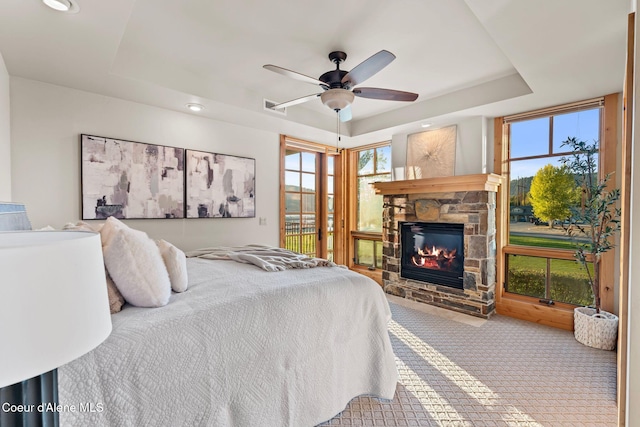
[{"x": 468, "y": 200}]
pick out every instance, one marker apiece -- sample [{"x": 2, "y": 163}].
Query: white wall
[
  {"x": 5, "y": 135},
  {"x": 471, "y": 135},
  {"x": 47, "y": 121}
]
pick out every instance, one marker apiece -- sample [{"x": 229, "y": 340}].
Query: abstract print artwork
[
  {"x": 219, "y": 185},
  {"x": 128, "y": 179},
  {"x": 432, "y": 153}
]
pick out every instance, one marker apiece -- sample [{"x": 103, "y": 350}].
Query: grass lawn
[
  {"x": 546, "y": 242},
  {"x": 568, "y": 267},
  {"x": 527, "y": 274}
]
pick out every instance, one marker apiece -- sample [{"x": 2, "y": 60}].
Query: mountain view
[{"x": 519, "y": 188}]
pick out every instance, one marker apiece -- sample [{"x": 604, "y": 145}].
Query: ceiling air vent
[{"x": 268, "y": 106}]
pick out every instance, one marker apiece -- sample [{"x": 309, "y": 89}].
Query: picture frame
[
  {"x": 431, "y": 153},
  {"x": 219, "y": 185},
  {"x": 130, "y": 180}
]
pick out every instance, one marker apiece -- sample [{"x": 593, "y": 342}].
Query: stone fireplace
[{"x": 439, "y": 244}]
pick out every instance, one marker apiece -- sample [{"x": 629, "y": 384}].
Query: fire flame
[{"x": 435, "y": 258}]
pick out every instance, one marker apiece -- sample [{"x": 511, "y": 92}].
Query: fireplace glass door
[{"x": 433, "y": 253}]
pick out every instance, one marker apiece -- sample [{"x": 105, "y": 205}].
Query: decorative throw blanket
[{"x": 266, "y": 257}]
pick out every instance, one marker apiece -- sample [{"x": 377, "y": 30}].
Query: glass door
[
  {"x": 302, "y": 225},
  {"x": 330, "y": 211},
  {"x": 309, "y": 194}
]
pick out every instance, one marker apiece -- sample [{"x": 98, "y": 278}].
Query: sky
[{"x": 531, "y": 138}]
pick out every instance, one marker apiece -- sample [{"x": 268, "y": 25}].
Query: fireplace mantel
[{"x": 475, "y": 182}]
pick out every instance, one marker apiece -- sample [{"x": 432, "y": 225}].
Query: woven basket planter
[{"x": 595, "y": 330}]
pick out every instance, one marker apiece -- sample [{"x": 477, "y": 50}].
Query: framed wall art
[
  {"x": 131, "y": 180},
  {"x": 219, "y": 185},
  {"x": 432, "y": 153}
]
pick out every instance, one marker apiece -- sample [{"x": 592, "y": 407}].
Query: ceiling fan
[{"x": 339, "y": 85}]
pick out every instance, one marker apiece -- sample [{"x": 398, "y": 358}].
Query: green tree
[
  {"x": 364, "y": 157},
  {"x": 552, "y": 194}
]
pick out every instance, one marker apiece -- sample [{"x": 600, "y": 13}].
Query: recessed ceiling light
[
  {"x": 66, "y": 6},
  {"x": 425, "y": 125},
  {"x": 195, "y": 107}
]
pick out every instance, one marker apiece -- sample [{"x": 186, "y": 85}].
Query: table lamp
[{"x": 53, "y": 309}]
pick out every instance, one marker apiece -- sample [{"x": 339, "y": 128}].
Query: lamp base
[{"x": 25, "y": 403}]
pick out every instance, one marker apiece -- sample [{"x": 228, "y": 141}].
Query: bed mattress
[{"x": 241, "y": 347}]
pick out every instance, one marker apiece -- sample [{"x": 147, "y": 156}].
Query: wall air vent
[{"x": 268, "y": 106}]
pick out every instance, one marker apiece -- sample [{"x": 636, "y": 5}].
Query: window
[
  {"x": 541, "y": 195},
  {"x": 538, "y": 263},
  {"x": 370, "y": 164},
  {"x": 548, "y": 277}
]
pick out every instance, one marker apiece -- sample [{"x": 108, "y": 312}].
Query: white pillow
[
  {"x": 176, "y": 262},
  {"x": 110, "y": 229},
  {"x": 136, "y": 267}
]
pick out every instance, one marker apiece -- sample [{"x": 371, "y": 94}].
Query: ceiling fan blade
[
  {"x": 368, "y": 68},
  {"x": 385, "y": 94},
  {"x": 345, "y": 114},
  {"x": 294, "y": 75},
  {"x": 296, "y": 101}
]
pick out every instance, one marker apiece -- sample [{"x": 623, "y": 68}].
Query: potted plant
[{"x": 596, "y": 220}]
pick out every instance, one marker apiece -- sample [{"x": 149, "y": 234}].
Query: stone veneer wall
[{"x": 474, "y": 209}]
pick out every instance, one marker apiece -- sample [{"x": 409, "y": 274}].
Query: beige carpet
[{"x": 456, "y": 370}]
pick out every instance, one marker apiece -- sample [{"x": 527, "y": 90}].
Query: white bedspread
[{"x": 241, "y": 347}]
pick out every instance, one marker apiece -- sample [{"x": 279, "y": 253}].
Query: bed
[{"x": 241, "y": 347}]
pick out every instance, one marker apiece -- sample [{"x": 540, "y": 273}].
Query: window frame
[
  {"x": 323, "y": 152},
  {"x": 353, "y": 233},
  {"x": 530, "y": 308},
  {"x": 547, "y": 253}
]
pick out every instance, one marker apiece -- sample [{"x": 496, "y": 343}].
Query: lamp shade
[
  {"x": 53, "y": 300},
  {"x": 337, "y": 99}
]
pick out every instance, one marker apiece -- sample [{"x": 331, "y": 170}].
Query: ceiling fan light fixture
[
  {"x": 66, "y": 6},
  {"x": 339, "y": 86},
  {"x": 337, "y": 99},
  {"x": 195, "y": 107}
]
